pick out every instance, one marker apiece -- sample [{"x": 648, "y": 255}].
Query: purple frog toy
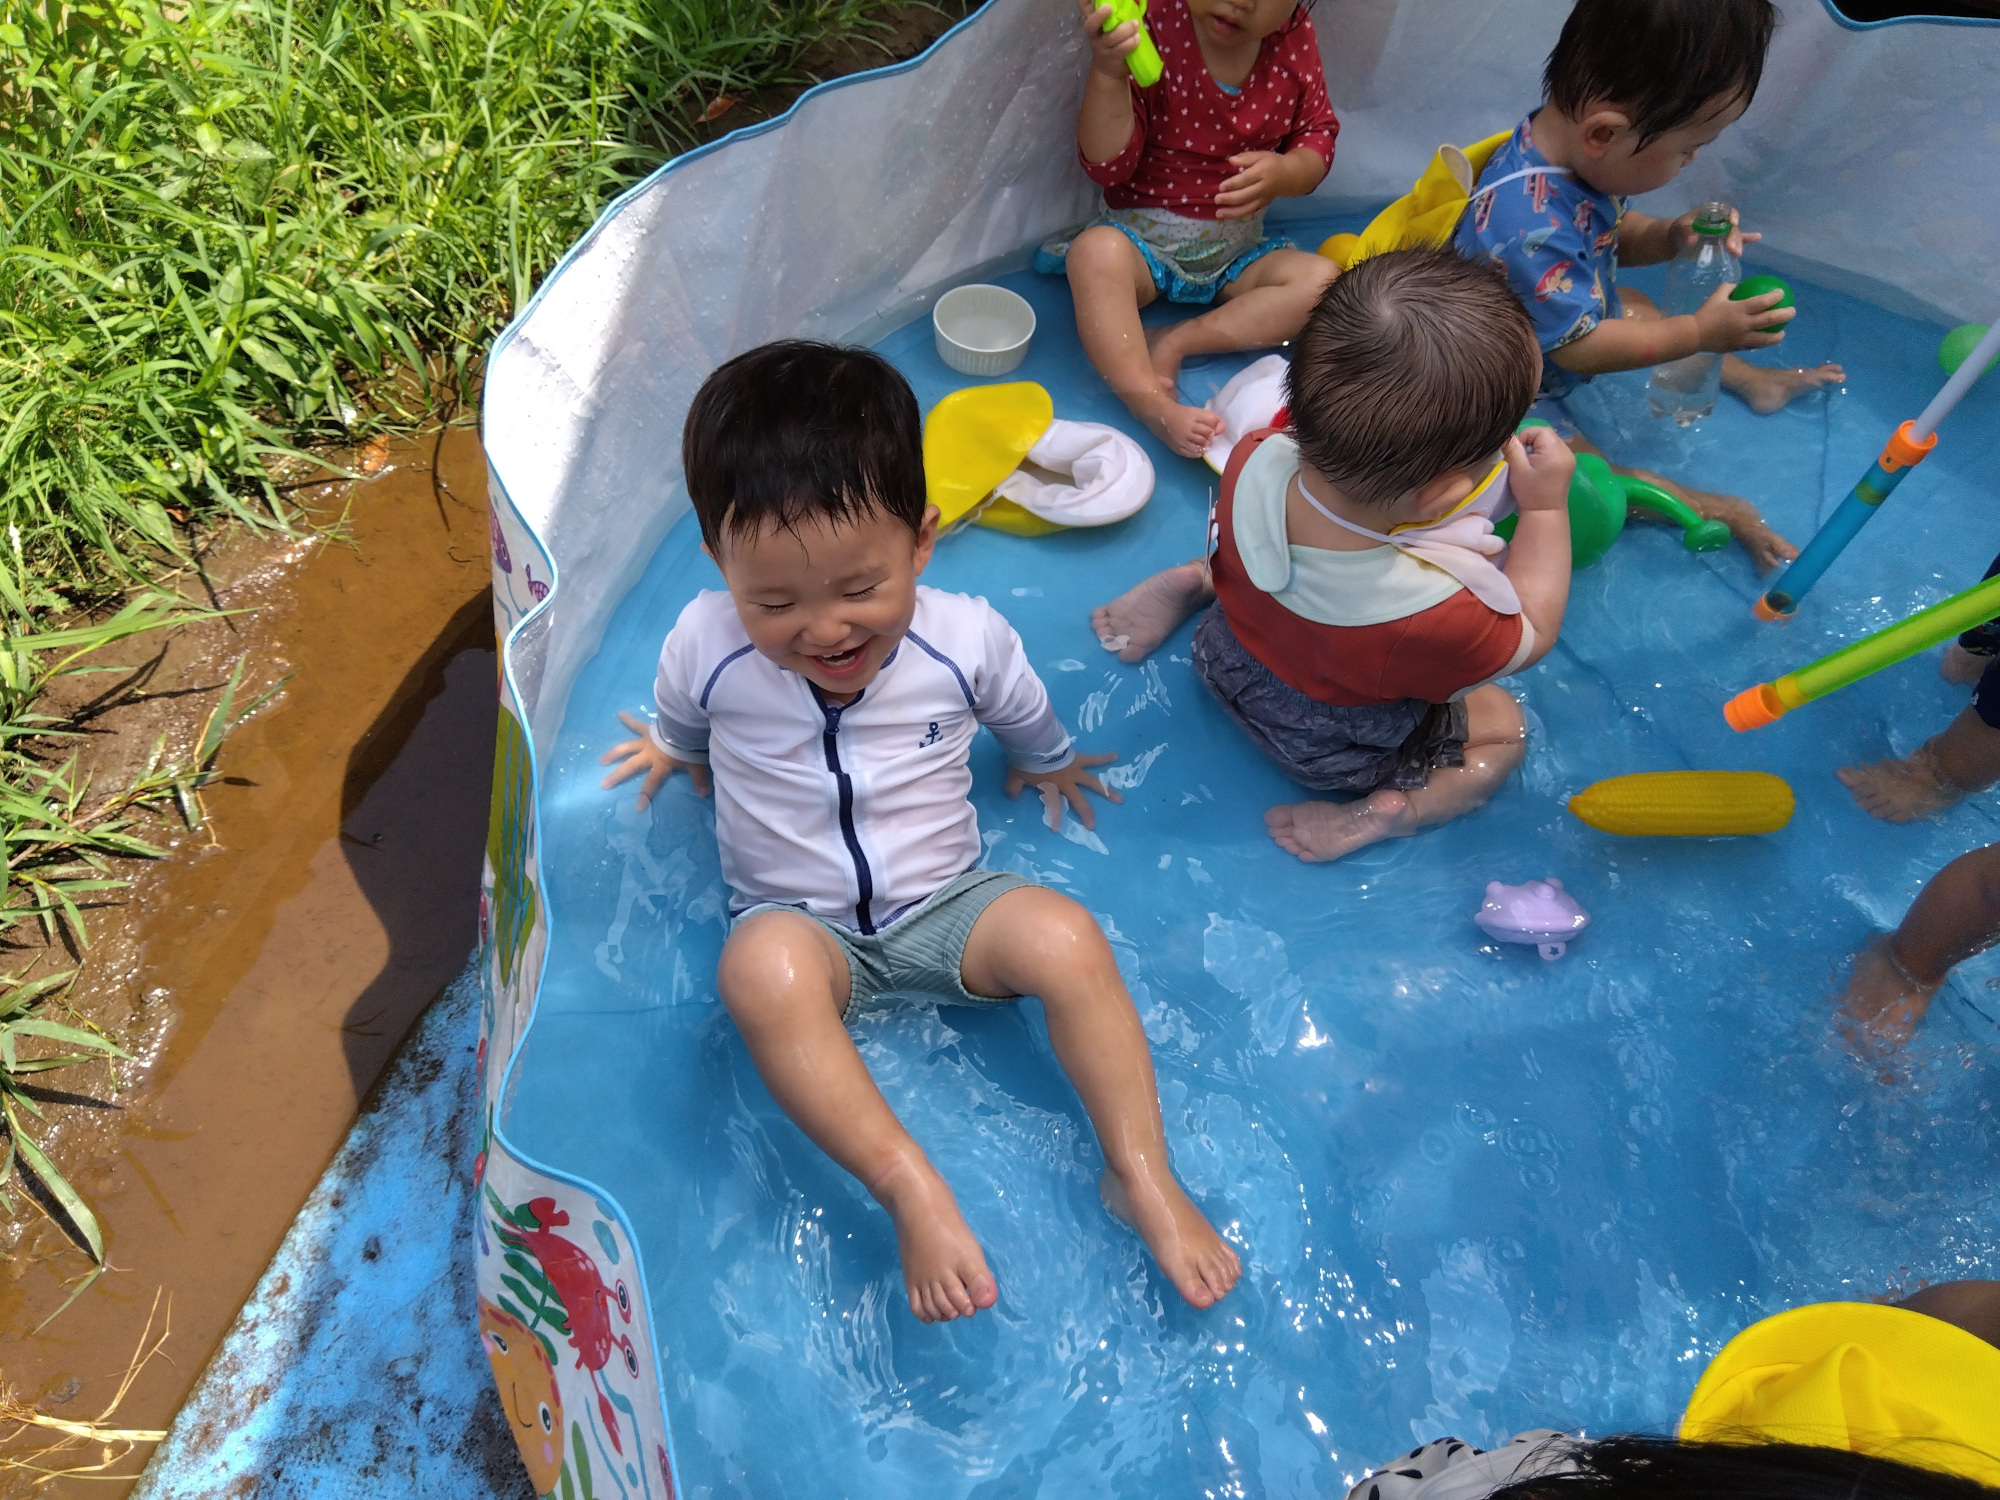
[{"x": 1540, "y": 912}]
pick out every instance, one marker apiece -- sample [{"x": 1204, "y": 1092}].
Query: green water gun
[{"x": 1144, "y": 61}]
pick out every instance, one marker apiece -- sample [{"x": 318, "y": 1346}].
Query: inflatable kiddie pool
[{"x": 1474, "y": 1192}]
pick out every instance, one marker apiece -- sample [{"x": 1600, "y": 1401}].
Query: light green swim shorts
[{"x": 917, "y": 956}]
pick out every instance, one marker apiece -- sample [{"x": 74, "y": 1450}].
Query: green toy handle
[
  {"x": 1697, "y": 534},
  {"x": 1145, "y": 61},
  {"x": 1598, "y": 499}
]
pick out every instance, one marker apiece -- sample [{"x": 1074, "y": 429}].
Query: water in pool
[{"x": 1473, "y": 1191}]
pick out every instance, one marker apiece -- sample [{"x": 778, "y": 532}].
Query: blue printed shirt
[{"x": 1557, "y": 239}]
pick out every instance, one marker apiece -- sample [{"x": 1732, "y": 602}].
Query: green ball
[
  {"x": 1758, "y": 286},
  {"x": 1958, "y": 346}
]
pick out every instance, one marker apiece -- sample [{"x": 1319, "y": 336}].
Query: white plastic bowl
[{"x": 982, "y": 330}]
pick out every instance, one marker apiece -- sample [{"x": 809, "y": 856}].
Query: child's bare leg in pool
[
  {"x": 1946, "y": 767},
  {"x": 1033, "y": 941},
  {"x": 1954, "y": 917},
  {"x": 1110, "y": 282},
  {"x": 785, "y": 982},
  {"x": 1763, "y": 389},
  {"x": 1766, "y": 548},
  {"x": 1494, "y": 745},
  {"x": 1262, "y": 308},
  {"x": 1138, "y": 620}
]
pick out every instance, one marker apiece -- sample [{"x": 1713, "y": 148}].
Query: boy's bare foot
[
  {"x": 944, "y": 1270},
  {"x": 1138, "y": 620},
  {"x": 1196, "y": 1259},
  {"x": 1318, "y": 831},
  {"x": 1766, "y": 548},
  {"x": 1901, "y": 791},
  {"x": 1765, "y": 390},
  {"x": 1961, "y": 666},
  {"x": 1883, "y": 1003},
  {"x": 1163, "y": 349},
  {"x": 1185, "y": 429}
]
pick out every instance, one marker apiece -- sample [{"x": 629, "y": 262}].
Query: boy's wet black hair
[
  {"x": 1663, "y": 62},
  {"x": 1412, "y": 364},
  {"x": 1747, "y": 1467},
  {"x": 796, "y": 429}
]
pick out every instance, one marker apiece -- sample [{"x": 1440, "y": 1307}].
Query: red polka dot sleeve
[{"x": 1187, "y": 126}]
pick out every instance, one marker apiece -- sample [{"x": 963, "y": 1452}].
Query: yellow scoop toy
[
  {"x": 998, "y": 456},
  {"x": 1686, "y": 804}
]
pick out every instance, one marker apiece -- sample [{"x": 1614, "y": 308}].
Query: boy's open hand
[
  {"x": 1259, "y": 182},
  {"x": 1683, "y": 234},
  {"x": 1108, "y": 50},
  {"x": 1725, "y": 326},
  {"x": 1539, "y": 467},
  {"x": 1066, "y": 785},
  {"x": 643, "y": 755}
]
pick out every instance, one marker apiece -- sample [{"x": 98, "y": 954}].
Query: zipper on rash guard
[{"x": 864, "y": 880}]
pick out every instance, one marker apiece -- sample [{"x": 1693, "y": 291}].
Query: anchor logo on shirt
[{"x": 932, "y": 738}]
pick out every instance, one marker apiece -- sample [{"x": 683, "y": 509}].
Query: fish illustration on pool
[{"x": 1540, "y": 913}]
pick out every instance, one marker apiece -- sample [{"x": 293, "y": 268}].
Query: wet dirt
[{"x": 264, "y": 973}]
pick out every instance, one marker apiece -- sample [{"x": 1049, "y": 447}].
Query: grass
[
  {"x": 223, "y": 224},
  {"x": 230, "y": 230}
]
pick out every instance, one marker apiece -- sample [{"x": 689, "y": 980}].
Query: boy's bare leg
[
  {"x": 784, "y": 980},
  {"x": 1944, "y": 768},
  {"x": 1766, "y": 548},
  {"x": 1971, "y": 1305},
  {"x": 1110, "y": 283},
  {"x": 1262, "y": 308},
  {"x": 1954, "y": 917},
  {"x": 1138, "y": 620},
  {"x": 1494, "y": 744},
  {"x": 1033, "y": 941},
  {"x": 1961, "y": 666},
  {"x": 1763, "y": 389}
]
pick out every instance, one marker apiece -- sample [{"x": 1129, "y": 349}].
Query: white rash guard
[{"x": 855, "y": 812}]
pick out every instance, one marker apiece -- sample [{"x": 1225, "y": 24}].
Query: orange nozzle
[
  {"x": 1753, "y": 708},
  {"x": 1762, "y": 610},
  {"x": 1903, "y": 451}
]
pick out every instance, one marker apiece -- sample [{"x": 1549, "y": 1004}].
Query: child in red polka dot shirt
[{"x": 1188, "y": 166}]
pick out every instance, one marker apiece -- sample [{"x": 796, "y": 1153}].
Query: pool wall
[{"x": 1871, "y": 160}]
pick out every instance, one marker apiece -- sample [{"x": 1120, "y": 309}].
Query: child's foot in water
[
  {"x": 1765, "y": 390},
  {"x": 1319, "y": 831},
  {"x": 1883, "y": 1003},
  {"x": 1766, "y": 548},
  {"x": 1901, "y": 791},
  {"x": 1185, "y": 429},
  {"x": 1196, "y": 1259},
  {"x": 1138, "y": 620},
  {"x": 944, "y": 1270},
  {"x": 1961, "y": 666}
]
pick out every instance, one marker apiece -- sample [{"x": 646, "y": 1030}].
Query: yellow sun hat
[
  {"x": 1862, "y": 1376},
  {"x": 998, "y": 456},
  {"x": 975, "y": 438}
]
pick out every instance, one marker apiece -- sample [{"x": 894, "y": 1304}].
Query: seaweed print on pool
[{"x": 585, "y": 1299}]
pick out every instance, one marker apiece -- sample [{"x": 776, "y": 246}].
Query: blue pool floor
[{"x": 1473, "y": 1191}]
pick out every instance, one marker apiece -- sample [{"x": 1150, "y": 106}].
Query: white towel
[{"x": 1099, "y": 475}]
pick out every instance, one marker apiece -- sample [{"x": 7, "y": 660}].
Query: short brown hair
[{"x": 1412, "y": 364}]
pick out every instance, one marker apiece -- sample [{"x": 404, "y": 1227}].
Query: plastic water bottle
[{"x": 1684, "y": 389}]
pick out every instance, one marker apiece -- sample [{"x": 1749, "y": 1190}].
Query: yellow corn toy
[{"x": 1686, "y": 804}]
